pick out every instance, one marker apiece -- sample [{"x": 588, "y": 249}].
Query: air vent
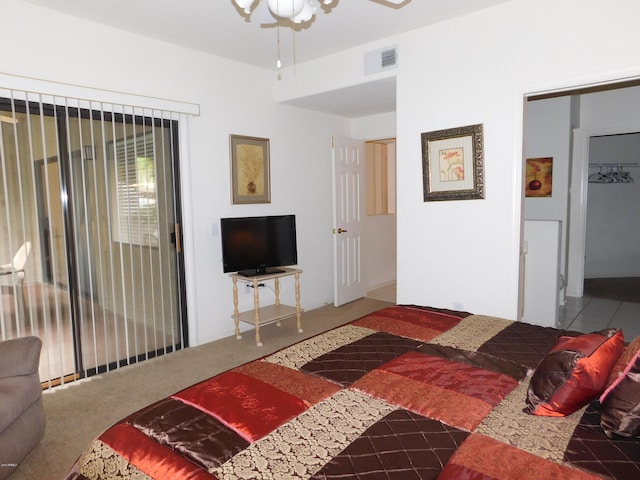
[
  {"x": 388, "y": 58},
  {"x": 380, "y": 60}
]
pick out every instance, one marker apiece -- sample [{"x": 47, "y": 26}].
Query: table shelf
[{"x": 269, "y": 313}]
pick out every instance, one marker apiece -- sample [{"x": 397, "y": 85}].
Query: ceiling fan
[{"x": 272, "y": 12}]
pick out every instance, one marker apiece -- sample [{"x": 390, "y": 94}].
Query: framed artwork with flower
[
  {"x": 539, "y": 176},
  {"x": 250, "y": 176},
  {"x": 453, "y": 163}
]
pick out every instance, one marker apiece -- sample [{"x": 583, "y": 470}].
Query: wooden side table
[{"x": 270, "y": 313}]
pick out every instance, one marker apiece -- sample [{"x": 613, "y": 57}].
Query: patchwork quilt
[{"x": 406, "y": 392}]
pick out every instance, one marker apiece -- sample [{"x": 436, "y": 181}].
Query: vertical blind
[{"x": 88, "y": 191}]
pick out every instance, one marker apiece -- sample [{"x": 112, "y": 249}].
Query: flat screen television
[{"x": 258, "y": 245}]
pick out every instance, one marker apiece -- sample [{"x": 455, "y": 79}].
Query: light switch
[{"x": 214, "y": 230}]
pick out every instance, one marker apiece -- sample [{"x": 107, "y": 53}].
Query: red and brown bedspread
[{"x": 403, "y": 393}]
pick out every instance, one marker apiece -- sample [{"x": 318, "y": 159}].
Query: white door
[{"x": 348, "y": 219}]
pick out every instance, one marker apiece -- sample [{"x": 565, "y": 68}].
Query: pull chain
[
  {"x": 278, "y": 62},
  {"x": 295, "y": 63}
]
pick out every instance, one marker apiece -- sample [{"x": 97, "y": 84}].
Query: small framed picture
[
  {"x": 250, "y": 176},
  {"x": 453, "y": 164},
  {"x": 539, "y": 177}
]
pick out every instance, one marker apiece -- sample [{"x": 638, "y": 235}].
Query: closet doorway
[
  {"x": 89, "y": 200},
  {"x": 603, "y": 231},
  {"x": 560, "y": 125},
  {"x": 612, "y": 258}
]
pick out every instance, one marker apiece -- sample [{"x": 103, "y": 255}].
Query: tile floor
[{"x": 585, "y": 314}]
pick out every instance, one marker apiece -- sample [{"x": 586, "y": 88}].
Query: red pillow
[{"x": 573, "y": 373}]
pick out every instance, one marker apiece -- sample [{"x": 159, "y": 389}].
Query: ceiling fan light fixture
[
  {"x": 286, "y": 8},
  {"x": 306, "y": 14},
  {"x": 288, "y": 13},
  {"x": 245, "y": 5}
]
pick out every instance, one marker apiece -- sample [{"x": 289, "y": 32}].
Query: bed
[{"x": 407, "y": 392}]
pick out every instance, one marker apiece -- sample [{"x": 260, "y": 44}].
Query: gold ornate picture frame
[
  {"x": 250, "y": 175},
  {"x": 453, "y": 163}
]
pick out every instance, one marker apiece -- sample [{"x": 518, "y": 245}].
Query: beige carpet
[{"x": 77, "y": 413}]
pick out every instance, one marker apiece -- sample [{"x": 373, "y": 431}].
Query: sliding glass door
[{"x": 94, "y": 194}]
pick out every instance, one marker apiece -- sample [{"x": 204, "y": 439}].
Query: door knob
[{"x": 340, "y": 230}]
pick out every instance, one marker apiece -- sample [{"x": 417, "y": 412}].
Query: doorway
[
  {"x": 587, "y": 112},
  {"x": 95, "y": 194},
  {"x": 380, "y": 222},
  {"x": 604, "y": 232},
  {"x": 364, "y": 234}
]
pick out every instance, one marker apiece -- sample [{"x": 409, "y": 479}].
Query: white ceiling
[{"x": 220, "y": 28}]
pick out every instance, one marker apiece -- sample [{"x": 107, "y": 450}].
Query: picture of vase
[
  {"x": 250, "y": 169},
  {"x": 539, "y": 176}
]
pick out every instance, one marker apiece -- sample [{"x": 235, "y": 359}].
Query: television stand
[
  {"x": 270, "y": 313},
  {"x": 258, "y": 272}
]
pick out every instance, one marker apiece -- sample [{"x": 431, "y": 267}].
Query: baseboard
[
  {"x": 380, "y": 285},
  {"x": 631, "y": 275}
]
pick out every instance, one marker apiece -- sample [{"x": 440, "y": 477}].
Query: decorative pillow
[
  {"x": 573, "y": 373},
  {"x": 623, "y": 361},
  {"x": 620, "y": 412}
]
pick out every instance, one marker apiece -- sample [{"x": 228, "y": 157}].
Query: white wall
[
  {"x": 611, "y": 110},
  {"x": 374, "y": 127},
  {"x": 476, "y": 69},
  {"x": 380, "y": 250},
  {"x": 472, "y": 247},
  {"x": 233, "y": 98}
]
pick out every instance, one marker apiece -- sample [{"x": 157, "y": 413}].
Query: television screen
[{"x": 254, "y": 245}]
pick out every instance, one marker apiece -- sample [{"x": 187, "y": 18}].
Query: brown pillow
[
  {"x": 573, "y": 373},
  {"x": 623, "y": 361},
  {"x": 620, "y": 412}
]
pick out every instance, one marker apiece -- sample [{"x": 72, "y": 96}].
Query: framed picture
[
  {"x": 453, "y": 164},
  {"x": 538, "y": 177},
  {"x": 250, "y": 182}
]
